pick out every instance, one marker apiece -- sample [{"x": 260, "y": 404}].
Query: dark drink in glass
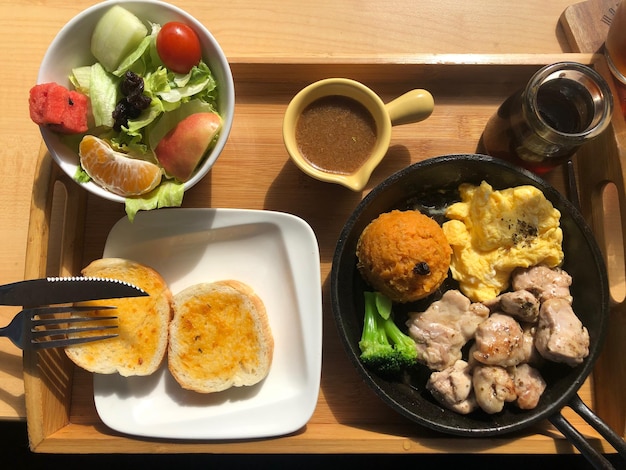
[{"x": 541, "y": 126}]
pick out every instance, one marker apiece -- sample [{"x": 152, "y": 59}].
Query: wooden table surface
[{"x": 248, "y": 31}]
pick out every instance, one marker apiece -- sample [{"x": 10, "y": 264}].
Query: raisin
[
  {"x": 120, "y": 114},
  {"x": 139, "y": 102},
  {"x": 132, "y": 84},
  {"x": 421, "y": 268},
  {"x": 133, "y": 103}
]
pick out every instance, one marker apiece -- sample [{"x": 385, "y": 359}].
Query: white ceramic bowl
[{"x": 71, "y": 48}]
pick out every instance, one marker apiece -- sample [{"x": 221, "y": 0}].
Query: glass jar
[
  {"x": 615, "y": 44},
  {"x": 541, "y": 126}
]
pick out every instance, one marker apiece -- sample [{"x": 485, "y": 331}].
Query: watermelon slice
[{"x": 61, "y": 110}]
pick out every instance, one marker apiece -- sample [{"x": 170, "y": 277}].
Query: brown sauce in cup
[{"x": 336, "y": 134}]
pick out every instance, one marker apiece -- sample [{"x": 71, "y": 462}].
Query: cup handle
[{"x": 413, "y": 106}]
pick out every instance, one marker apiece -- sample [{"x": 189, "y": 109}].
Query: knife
[{"x": 61, "y": 290}]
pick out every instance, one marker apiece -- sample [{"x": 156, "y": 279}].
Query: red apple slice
[{"x": 180, "y": 151}]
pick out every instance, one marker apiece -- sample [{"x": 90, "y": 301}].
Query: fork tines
[{"x": 44, "y": 337}]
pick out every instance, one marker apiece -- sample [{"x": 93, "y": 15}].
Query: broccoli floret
[{"x": 385, "y": 349}]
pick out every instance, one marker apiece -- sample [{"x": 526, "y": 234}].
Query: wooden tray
[{"x": 68, "y": 229}]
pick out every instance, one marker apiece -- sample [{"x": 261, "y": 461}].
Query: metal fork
[{"x": 29, "y": 330}]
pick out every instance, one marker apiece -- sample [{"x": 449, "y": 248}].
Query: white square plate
[{"x": 278, "y": 256}]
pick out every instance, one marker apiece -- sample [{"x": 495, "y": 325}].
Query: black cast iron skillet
[{"x": 430, "y": 186}]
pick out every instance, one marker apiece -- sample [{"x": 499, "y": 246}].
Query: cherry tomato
[{"x": 178, "y": 47}]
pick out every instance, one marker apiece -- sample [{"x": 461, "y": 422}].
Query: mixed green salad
[{"x": 129, "y": 62}]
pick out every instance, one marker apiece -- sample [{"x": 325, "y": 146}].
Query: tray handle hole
[{"x": 613, "y": 242}]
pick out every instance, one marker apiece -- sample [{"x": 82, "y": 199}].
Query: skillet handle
[
  {"x": 596, "y": 423},
  {"x": 599, "y": 461}
]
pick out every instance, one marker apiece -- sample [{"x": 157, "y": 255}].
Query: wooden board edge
[
  {"x": 48, "y": 373},
  {"x": 316, "y": 439},
  {"x": 599, "y": 164}
]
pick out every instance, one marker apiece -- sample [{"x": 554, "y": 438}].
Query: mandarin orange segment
[{"x": 116, "y": 171}]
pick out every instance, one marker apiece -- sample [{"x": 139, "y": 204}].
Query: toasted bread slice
[
  {"x": 220, "y": 337},
  {"x": 141, "y": 344}
]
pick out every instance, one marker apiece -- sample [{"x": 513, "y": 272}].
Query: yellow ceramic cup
[{"x": 413, "y": 106}]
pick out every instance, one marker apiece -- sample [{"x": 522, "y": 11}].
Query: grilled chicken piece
[
  {"x": 493, "y": 387},
  {"x": 499, "y": 341},
  {"x": 529, "y": 386},
  {"x": 520, "y": 304},
  {"x": 452, "y": 387},
  {"x": 561, "y": 336},
  {"x": 544, "y": 282},
  {"x": 443, "y": 329},
  {"x": 531, "y": 355}
]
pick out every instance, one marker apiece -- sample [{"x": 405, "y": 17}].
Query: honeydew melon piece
[{"x": 115, "y": 36}]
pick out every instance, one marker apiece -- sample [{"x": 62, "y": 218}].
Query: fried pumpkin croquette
[{"x": 403, "y": 254}]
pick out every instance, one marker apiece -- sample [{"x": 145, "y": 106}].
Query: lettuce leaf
[
  {"x": 156, "y": 82},
  {"x": 133, "y": 61},
  {"x": 199, "y": 83},
  {"x": 81, "y": 176},
  {"x": 143, "y": 58},
  {"x": 80, "y": 78},
  {"x": 103, "y": 94},
  {"x": 102, "y": 89},
  {"x": 135, "y": 127},
  {"x": 168, "y": 194}
]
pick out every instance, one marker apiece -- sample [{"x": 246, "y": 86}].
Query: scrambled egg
[{"x": 494, "y": 232}]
